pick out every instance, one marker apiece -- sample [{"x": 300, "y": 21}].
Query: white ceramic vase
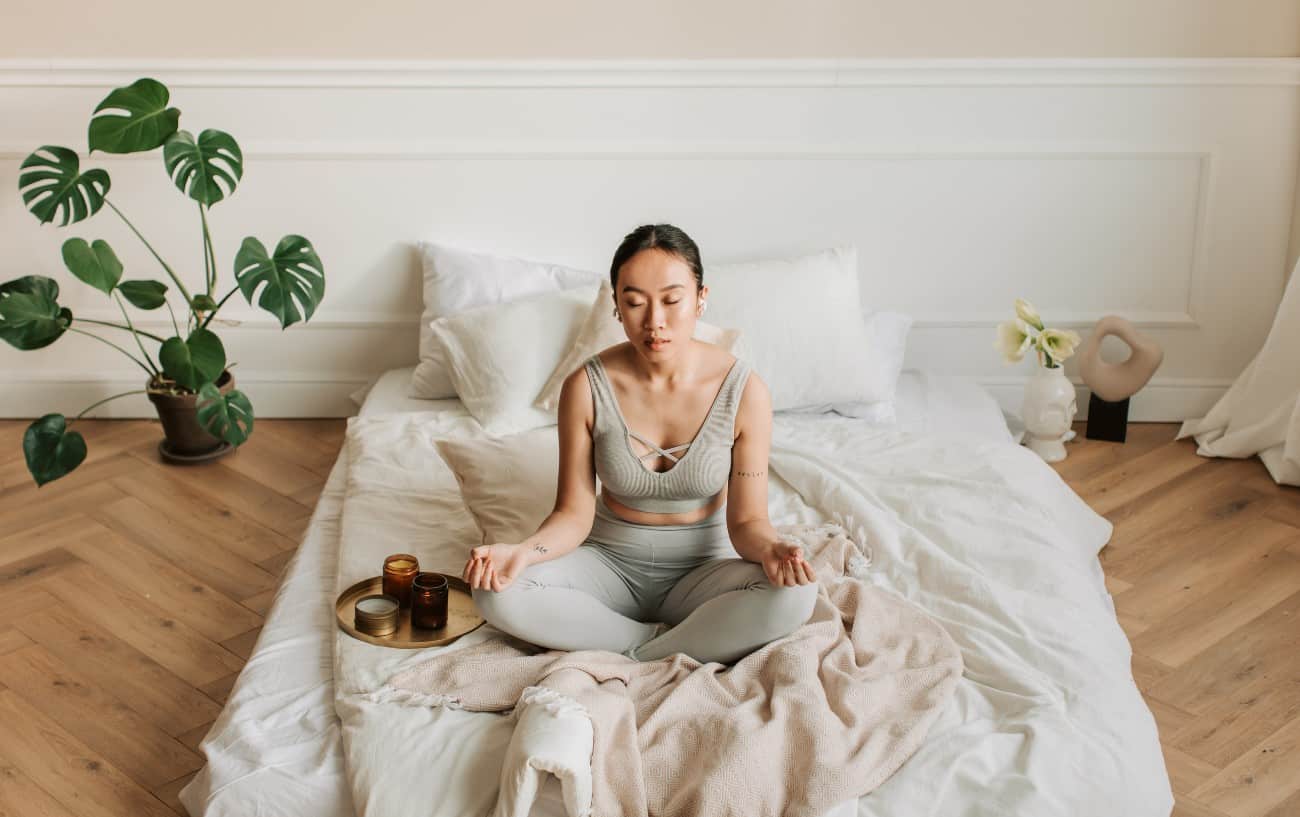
[{"x": 1048, "y": 411}]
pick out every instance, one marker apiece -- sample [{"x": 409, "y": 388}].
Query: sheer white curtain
[{"x": 1260, "y": 413}]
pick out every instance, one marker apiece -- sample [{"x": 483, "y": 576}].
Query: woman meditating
[{"x": 677, "y": 553}]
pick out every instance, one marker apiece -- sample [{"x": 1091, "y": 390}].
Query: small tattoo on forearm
[
  {"x": 750, "y": 473},
  {"x": 539, "y": 548}
]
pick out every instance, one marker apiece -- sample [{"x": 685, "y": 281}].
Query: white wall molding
[
  {"x": 343, "y": 320},
  {"x": 1161, "y": 190},
  {"x": 723, "y": 73},
  {"x": 731, "y": 151},
  {"x": 242, "y": 375},
  {"x": 628, "y": 149}
]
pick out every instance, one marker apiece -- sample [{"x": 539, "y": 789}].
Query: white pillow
[
  {"x": 456, "y": 280},
  {"x": 883, "y": 360},
  {"x": 508, "y": 483},
  {"x": 802, "y": 323},
  {"x": 499, "y": 356},
  {"x": 602, "y": 330}
]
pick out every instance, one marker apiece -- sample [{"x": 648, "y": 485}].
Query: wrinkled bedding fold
[{"x": 979, "y": 538}]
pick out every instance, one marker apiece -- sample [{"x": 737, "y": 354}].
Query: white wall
[{"x": 1160, "y": 190}]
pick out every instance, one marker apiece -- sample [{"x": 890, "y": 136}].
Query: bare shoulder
[
  {"x": 720, "y": 360},
  {"x": 576, "y": 397},
  {"x": 576, "y": 384},
  {"x": 614, "y": 358},
  {"x": 755, "y": 396}
]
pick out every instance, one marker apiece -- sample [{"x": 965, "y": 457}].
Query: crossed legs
[{"x": 718, "y": 610}]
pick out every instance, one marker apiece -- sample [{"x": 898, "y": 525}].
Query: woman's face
[{"x": 657, "y": 301}]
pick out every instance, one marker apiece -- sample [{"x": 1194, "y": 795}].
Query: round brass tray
[{"x": 462, "y": 617}]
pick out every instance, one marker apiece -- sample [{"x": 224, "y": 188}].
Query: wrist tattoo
[
  {"x": 539, "y": 548},
  {"x": 750, "y": 473}
]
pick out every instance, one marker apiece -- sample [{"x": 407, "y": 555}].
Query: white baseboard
[
  {"x": 299, "y": 398},
  {"x": 1162, "y": 400},
  {"x": 272, "y": 395}
]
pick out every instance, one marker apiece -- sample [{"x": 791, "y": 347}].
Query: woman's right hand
[{"x": 494, "y": 567}]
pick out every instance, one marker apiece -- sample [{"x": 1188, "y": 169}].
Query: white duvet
[{"x": 982, "y": 534}]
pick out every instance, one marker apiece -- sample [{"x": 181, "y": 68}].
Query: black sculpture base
[{"x": 1107, "y": 420}]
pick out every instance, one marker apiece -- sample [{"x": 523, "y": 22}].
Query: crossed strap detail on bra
[{"x": 663, "y": 452}]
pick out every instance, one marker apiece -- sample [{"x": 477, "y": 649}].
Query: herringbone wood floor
[{"x": 131, "y": 592}]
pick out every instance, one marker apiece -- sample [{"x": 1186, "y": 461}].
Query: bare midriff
[{"x": 650, "y": 518}]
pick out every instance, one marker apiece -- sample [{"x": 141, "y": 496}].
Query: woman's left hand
[{"x": 785, "y": 566}]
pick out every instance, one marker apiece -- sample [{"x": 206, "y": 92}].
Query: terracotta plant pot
[{"x": 180, "y": 420}]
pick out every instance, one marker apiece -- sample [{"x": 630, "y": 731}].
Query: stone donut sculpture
[{"x": 1114, "y": 382}]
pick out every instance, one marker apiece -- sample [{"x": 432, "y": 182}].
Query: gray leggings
[{"x": 607, "y": 594}]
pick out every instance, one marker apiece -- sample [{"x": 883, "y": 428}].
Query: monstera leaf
[
  {"x": 191, "y": 362},
  {"x": 200, "y": 169},
  {"x": 294, "y": 273},
  {"x": 52, "y": 184},
  {"x": 144, "y": 294},
  {"x": 51, "y": 450},
  {"x": 96, "y": 264},
  {"x": 133, "y": 119},
  {"x": 228, "y": 416},
  {"x": 30, "y": 315}
]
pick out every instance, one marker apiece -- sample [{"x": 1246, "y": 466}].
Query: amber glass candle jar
[
  {"x": 400, "y": 570},
  {"x": 429, "y": 601}
]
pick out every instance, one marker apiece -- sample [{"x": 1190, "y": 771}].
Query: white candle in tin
[{"x": 375, "y": 606}]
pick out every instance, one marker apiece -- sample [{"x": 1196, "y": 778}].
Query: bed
[{"x": 1041, "y": 747}]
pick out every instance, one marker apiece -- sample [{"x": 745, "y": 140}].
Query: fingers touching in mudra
[
  {"x": 494, "y": 567},
  {"x": 785, "y": 566}
]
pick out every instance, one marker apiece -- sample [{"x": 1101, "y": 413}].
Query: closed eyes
[{"x": 670, "y": 303}]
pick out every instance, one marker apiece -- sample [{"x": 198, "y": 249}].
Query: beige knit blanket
[{"x": 821, "y": 716}]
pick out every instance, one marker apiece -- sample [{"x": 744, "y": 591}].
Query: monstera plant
[{"x": 188, "y": 379}]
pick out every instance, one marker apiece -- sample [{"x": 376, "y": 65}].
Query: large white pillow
[
  {"x": 602, "y": 330},
  {"x": 508, "y": 483},
  {"x": 883, "y": 361},
  {"x": 456, "y": 280},
  {"x": 802, "y": 323},
  {"x": 500, "y": 356}
]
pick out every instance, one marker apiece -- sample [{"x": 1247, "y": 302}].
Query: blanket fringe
[
  {"x": 858, "y": 565},
  {"x": 410, "y": 697},
  {"x": 556, "y": 703}
]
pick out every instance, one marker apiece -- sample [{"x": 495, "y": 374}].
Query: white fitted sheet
[{"x": 276, "y": 750}]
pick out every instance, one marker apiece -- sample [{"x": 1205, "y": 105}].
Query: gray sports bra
[{"x": 695, "y": 478}]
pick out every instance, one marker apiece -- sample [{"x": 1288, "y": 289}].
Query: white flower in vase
[
  {"x": 1049, "y": 403},
  {"x": 1014, "y": 339},
  {"x": 1026, "y": 312},
  {"x": 1057, "y": 345}
]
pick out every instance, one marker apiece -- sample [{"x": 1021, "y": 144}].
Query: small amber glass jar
[
  {"x": 400, "y": 569},
  {"x": 429, "y": 601}
]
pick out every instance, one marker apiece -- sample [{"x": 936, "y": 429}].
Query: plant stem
[
  {"x": 210, "y": 256},
  {"x": 207, "y": 268},
  {"x": 101, "y": 402},
  {"x": 170, "y": 271},
  {"x": 127, "y": 317},
  {"x": 175, "y": 325},
  {"x": 114, "y": 345},
  {"x": 150, "y": 335},
  {"x": 219, "y": 303}
]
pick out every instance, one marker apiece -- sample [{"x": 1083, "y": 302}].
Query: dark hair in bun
[{"x": 663, "y": 237}]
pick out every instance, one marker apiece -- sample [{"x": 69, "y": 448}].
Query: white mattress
[{"x": 275, "y": 749}]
